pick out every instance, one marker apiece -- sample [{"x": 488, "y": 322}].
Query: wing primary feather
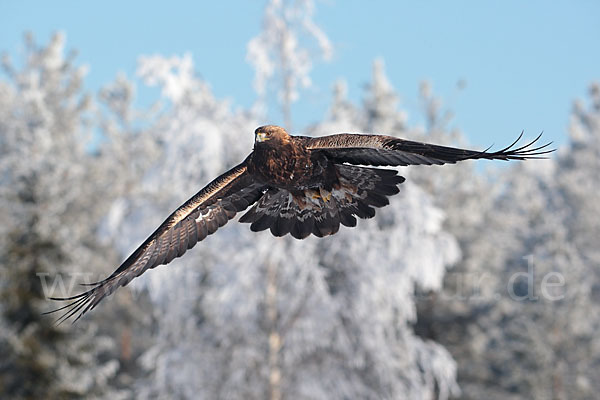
[
  {"x": 513, "y": 143},
  {"x": 63, "y": 299}
]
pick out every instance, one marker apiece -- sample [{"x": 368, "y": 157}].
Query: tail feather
[
  {"x": 303, "y": 227},
  {"x": 286, "y": 218},
  {"x": 347, "y": 219},
  {"x": 282, "y": 226},
  {"x": 321, "y": 212}
]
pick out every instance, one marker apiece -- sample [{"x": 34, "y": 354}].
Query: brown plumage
[{"x": 298, "y": 185}]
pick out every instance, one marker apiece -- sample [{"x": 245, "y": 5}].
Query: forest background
[{"x": 478, "y": 281}]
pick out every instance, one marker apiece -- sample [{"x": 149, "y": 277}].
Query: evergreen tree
[
  {"x": 53, "y": 195},
  {"x": 519, "y": 310}
]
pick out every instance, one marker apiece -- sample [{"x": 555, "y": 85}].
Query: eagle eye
[{"x": 263, "y": 135}]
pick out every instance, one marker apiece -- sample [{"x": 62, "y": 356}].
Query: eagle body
[
  {"x": 307, "y": 192},
  {"x": 295, "y": 185},
  {"x": 289, "y": 166}
]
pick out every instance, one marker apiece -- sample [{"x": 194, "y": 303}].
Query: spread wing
[
  {"x": 197, "y": 218},
  {"x": 387, "y": 150}
]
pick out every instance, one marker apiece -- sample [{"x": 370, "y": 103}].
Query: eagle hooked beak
[{"x": 261, "y": 137}]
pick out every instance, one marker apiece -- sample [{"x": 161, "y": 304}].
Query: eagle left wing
[
  {"x": 197, "y": 218},
  {"x": 378, "y": 150}
]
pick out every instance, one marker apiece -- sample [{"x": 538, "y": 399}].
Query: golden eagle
[{"x": 295, "y": 184}]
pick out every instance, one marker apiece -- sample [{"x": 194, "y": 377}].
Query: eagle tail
[{"x": 320, "y": 211}]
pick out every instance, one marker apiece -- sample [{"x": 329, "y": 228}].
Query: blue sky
[{"x": 524, "y": 61}]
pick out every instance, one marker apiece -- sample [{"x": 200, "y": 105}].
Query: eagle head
[{"x": 273, "y": 133}]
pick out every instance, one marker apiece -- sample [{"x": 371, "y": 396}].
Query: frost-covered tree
[
  {"x": 381, "y": 104},
  {"x": 368, "y": 313},
  {"x": 520, "y": 312},
  {"x": 578, "y": 180},
  {"x": 53, "y": 194},
  {"x": 283, "y": 53},
  {"x": 504, "y": 313}
]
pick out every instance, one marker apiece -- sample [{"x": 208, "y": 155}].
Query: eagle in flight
[{"x": 295, "y": 184}]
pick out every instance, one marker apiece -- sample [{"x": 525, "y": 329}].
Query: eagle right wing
[
  {"x": 198, "y": 217},
  {"x": 364, "y": 149}
]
